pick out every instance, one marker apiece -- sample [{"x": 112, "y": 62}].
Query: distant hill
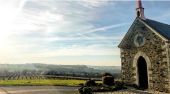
[
  {"x": 115, "y": 69},
  {"x": 49, "y": 69}
]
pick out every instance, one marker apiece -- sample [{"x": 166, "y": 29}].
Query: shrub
[
  {"x": 90, "y": 83},
  {"x": 119, "y": 85},
  {"x": 81, "y": 84},
  {"x": 85, "y": 90},
  {"x": 106, "y": 74},
  {"x": 108, "y": 80}
]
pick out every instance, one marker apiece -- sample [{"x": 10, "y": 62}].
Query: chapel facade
[{"x": 145, "y": 53}]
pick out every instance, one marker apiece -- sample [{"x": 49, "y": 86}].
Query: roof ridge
[{"x": 157, "y": 21}]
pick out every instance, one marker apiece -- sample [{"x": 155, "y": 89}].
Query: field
[{"x": 41, "y": 82}]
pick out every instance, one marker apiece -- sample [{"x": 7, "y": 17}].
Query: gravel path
[{"x": 38, "y": 90}]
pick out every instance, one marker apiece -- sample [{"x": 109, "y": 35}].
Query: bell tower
[{"x": 140, "y": 10}]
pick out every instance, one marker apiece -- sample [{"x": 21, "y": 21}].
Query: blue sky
[{"x": 83, "y": 32}]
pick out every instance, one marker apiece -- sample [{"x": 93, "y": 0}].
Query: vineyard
[
  {"x": 43, "y": 74},
  {"x": 45, "y": 71},
  {"x": 19, "y": 79},
  {"x": 41, "y": 77}
]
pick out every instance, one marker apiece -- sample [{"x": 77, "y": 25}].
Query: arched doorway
[{"x": 142, "y": 73}]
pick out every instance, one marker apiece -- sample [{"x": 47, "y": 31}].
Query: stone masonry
[{"x": 155, "y": 51}]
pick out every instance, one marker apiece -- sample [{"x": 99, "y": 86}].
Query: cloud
[
  {"x": 163, "y": 16},
  {"x": 77, "y": 50},
  {"x": 94, "y": 3},
  {"x": 89, "y": 34},
  {"x": 49, "y": 29},
  {"x": 54, "y": 24},
  {"x": 52, "y": 17},
  {"x": 104, "y": 28}
]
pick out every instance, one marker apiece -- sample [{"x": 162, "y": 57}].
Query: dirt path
[
  {"x": 2, "y": 91},
  {"x": 38, "y": 90}
]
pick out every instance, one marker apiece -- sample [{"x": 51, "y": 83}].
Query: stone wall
[
  {"x": 168, "y": 55},
  {"x": 158, "y": 52}
]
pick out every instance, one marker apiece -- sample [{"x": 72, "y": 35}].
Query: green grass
[{"x": 46, "y": 82}]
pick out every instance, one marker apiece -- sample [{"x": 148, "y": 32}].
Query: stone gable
[{"x": 141, "y": 41}]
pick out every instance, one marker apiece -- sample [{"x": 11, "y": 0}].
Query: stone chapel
[{"x": 145, "y": 53}]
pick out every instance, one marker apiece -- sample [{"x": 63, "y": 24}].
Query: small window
[{"x": 138, "y": 13}]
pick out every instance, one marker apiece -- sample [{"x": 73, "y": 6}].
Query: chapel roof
[{"x": 161, "y": 28}]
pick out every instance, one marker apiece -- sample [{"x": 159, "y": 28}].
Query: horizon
[
  {"x": 56, "y": 64},
  {"x": 69, "y": 32}
]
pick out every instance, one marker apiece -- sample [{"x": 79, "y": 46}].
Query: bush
[
  {"x": 106, "y": 74},
  {"x": 119, "y": 85},
  {"x": 81, "y": 84},
  {"x": 90, "y": 83},
  {"x": 108, "y": 80},
  {"x": 85, "y": 90}
]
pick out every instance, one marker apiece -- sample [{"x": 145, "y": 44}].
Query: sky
[{"x": 69, "y": 32}]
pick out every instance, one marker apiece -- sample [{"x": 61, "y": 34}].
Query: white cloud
[
  {"x": 9, "y": 9},
  {"x": 93, "y": 37},
  {"x": 104, "y": 28},
  {"x": 76, "y": 50},
  {"x": 37, "y": 24},
  {"x": 164, "y": 16},
  {"x": 94, "y": 3}
]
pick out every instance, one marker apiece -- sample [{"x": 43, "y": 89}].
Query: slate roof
[{"x": 161, "y": 28}]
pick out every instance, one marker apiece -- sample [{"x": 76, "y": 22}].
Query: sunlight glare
[{"x": 8, "y": 12}]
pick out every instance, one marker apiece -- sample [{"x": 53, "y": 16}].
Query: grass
[{"x": 36, "y": 82}]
